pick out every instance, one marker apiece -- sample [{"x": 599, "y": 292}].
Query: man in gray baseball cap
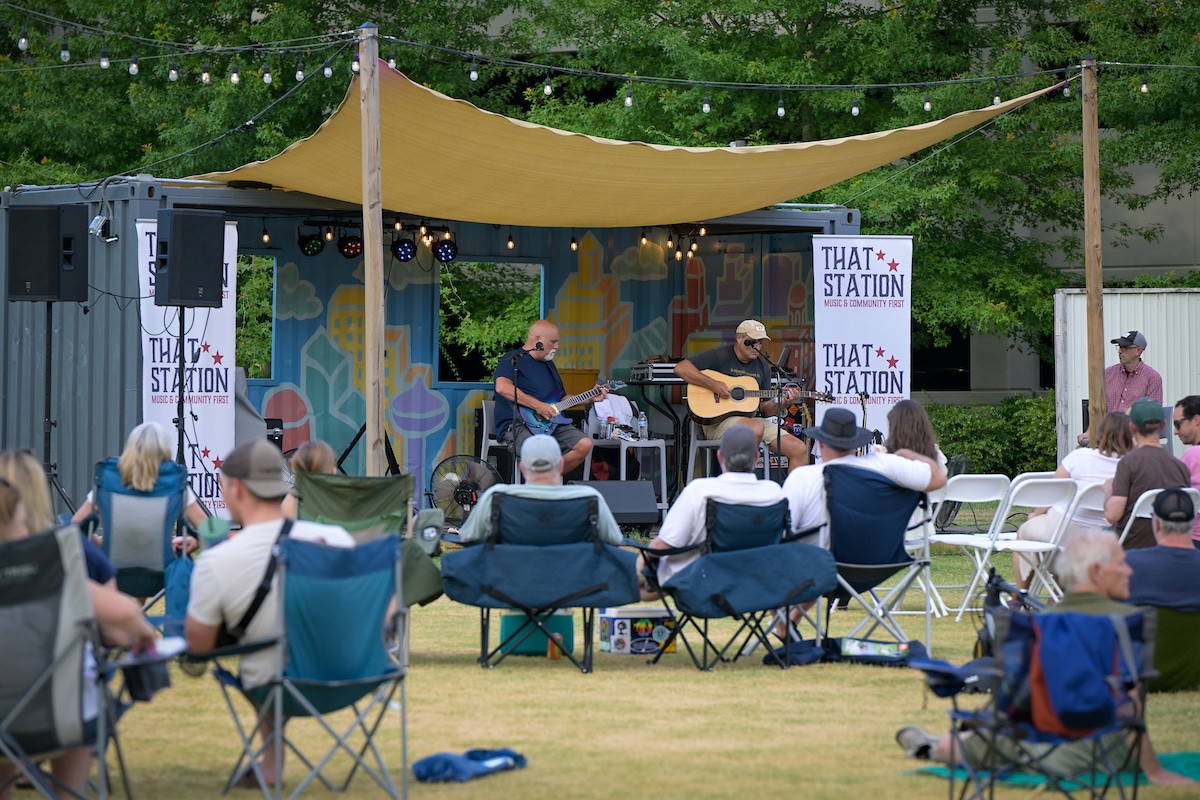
[{"x": 1130, "y": 379}]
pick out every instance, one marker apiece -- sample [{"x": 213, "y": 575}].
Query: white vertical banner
[
  {"x": 863, "y": 324},
  {"x": 208, "y": 380}
]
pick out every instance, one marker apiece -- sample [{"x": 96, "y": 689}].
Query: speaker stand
[
  {"x": 180, "y": 456},
  {"x": 47, "y": 423}
]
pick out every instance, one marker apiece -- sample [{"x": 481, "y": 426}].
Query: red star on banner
[
  {"x": 204, "y": 347},
  {"x": 892, "y": 362},
  {"x": 205, "y": 452},
  {"x": 217, "y": 357},
  {"x": 880, "y": 255},
  {"x": 879, "y": 352},
  {"x": 892, "y": 265},
  {"x": 217, "y": 462}
]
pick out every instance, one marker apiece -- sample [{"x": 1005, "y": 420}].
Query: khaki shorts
[
  {"x": 770, "y": 431},
  {"x": 1070, "y": 758}
]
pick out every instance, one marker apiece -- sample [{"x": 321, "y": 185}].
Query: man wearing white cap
[
  {"x": 740, "y": 359},
  {"x": 542, "y": 466}
]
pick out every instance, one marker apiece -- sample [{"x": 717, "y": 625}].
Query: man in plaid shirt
[{"x": 1130, "y": 379}]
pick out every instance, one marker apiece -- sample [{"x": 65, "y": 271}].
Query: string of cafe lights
[{"x": 257, "y": 57}]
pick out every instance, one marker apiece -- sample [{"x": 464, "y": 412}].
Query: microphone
[
  {"x": 538, "y": 346},
  {"x": 517, "y": 355}
]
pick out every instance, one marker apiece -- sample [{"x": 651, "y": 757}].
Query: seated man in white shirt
[
  {"x": 839, "y": 436},
  {"x": 684, "y": 523},
  {"x": 227, "y": 576},
  {"x": 542, "y": 467}
]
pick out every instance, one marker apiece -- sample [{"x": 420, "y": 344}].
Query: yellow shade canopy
[{"x": 446, "y": 159}]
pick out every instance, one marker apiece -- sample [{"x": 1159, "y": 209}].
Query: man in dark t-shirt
[
  {"x": 1148, "y": 466},
  {"x": 738, "y": 360},
  {"x": 528, "y": 376}
]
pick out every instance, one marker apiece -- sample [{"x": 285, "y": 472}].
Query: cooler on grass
[
  {"x": 635, "y": 631},
  {"x": 561, "y": 622}
]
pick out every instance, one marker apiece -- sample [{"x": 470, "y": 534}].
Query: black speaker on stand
[
  {"x": 47, "y": 261},
  {"x": 189, "y": 258}
]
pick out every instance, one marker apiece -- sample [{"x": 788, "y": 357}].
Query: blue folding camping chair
[
  {"x": 340, "y": 613},
  {"x": 543, "y": 555}
]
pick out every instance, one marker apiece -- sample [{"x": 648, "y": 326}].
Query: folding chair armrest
[
  {"x": 89, "y": 524},
  {"x": 239, "y": 649},
  {"x": 454, "y": 538},
  {"x": 658, "y": 552},
  {"x": 792, "y": 536}
]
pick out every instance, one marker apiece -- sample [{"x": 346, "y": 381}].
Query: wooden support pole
[
  {"x": 372, "y": 228},
  {"x": 1092, "y": 243}
]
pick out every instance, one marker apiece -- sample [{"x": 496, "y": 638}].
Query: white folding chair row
[
  {"x": 1040, "y": 555},
  {"x": 917, "y": 543},
  {"x": 1144, "y": 507}
]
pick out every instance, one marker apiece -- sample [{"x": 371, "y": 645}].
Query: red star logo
[
  {"x": 205, "y": 452},
  {"x": 892, "y": 362},
  {"x": 217, "y": 357},
  {"x": 879, "y": 352},
  {"x": 880, "y": 255},
  {"x": 217, "y": 462},
  {"x": 892, "y": 265},
  {"x": 204, "y": 347}
]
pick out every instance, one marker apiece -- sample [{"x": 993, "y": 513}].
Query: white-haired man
[{"x": 1093, "y": 571}]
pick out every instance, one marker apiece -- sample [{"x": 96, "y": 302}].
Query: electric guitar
[
  {"x": 539, "y": 424},
  {"x": 708, "y": 407}
]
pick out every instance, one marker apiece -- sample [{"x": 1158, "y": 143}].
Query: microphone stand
[
  {"x": 779, "y": 373},
  {"x": 514, "y": 451}
]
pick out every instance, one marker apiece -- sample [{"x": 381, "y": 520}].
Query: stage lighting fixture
[
  {"x": 404, "y": 249},
  {"x": 445, "y": 250},
  {"x": 311, "y": 244},
  {"x": 350, "y": 245}
]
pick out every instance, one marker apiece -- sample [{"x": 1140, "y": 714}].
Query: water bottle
[
  {"x": 610, "y": 428},
  {"x": 643, "y": 427}
]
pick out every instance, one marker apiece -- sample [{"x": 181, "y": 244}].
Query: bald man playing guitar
[{"x": 742, "y": 359}]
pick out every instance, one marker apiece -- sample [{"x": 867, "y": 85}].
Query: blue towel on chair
[{"x": 471, "y": 764}]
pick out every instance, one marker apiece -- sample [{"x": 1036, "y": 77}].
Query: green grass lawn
[{"x": 745, "y": 729}]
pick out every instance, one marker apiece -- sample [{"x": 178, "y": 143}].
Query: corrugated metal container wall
[
  {"x": 95, "y": 370},
  {"x": 1170, "y": 321}
]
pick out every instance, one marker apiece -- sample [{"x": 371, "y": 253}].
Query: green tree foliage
[
  {"x": 1014, "y": 437},
  {"x": 486, "y": 310},
  {"x": 987, "y": 212},
  {"x": 255, "y": 314}
]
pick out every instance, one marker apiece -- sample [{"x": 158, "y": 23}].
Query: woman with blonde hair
[
  {"x": 312, "y": 456},
  {"x": 146, "y": 448},
  {"x": 24, "y": 473},
  {"x": 1096, "y": 463}
]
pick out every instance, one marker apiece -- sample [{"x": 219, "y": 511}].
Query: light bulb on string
[
  {"x": 574, "y": 244},
  {"x": 510, "y": 244},
  {"x": 928, "y": 106},
  {"x": 133, "y": 65},
  {"x": 474, "y": 73},
  {"x": 780, "y": 111},
  {"x": 266, "y": 235},
  {"x": 547, "y": 89},
  {"x": 424, "y": 227},
  {"x": 695, "y": 245},
  {"x": 267, "y": 74},
  {"x": 105, "y": 63},
  {"x": 355, "y": 65},
  {"x": 205, "y": 75},
  {"x": 23, "y": 42},
  {"x": 1145, "y": 85},
  {"x": 703, "y": 231},
  {"x": 64, "y": 52},
  {"x": 391, "y": 62},
  {"x": 670, "y": 241},
  {"x": 996, "y": 96},
  {"x": 706, "y": 106},
  {"x": 644, "y": 240},
  {"x": 398, "y": 225},
  {"x": 1066, "y": 92},
  {"x": 678, "y": 254},
  {"x": 173, "y": 72},
  {"x": 854, "y": 111},
  {"x": 235, "y": 76},
  {"x": 327, "y": 69},
  {"x": 300, "y": 72},
  {"x": 629, "y": 96},
  {"x": 329, "y": 233}
]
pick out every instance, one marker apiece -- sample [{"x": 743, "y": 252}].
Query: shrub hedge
[{"x": 1016, "y": 436}]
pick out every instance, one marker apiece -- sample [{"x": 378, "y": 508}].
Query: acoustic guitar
[
  {"x": 539, "y": 424},
  {"x": 708, "y": 407}
]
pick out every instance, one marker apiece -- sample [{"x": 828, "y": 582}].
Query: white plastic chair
[
  {"x": 487, "y": 437},
  {"x": 1040, "y": 555},
  {"x": 698, "y": 442},
  {"x": 1025, "y": 493},
  {"x": 1142, "y": 509},
  {"x": 593, "y": 430}
]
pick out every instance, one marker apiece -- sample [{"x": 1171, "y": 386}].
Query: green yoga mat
[{"x": 1187, "y": 764}]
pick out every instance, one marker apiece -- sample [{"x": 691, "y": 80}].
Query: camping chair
[
  {"x": 1178, "y": 651},
  {"x": 368, "y": 508},
  {"x": 868, "y": 521},
  {"x": 49, "y": 635},
  {"x": 1061, "y": 702},
  {"x": 1022, "y": 493},
  {"x": 339, "y": 607},
  {"x": 138, "y": 526},
  {"x": 542, "y": 556},
  {"x": 748, "y": 568}
]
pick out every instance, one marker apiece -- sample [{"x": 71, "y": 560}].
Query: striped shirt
[{"x": 1122, "y": 389}]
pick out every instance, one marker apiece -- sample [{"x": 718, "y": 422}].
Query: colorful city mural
[{"x": 615, "y": 301}]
